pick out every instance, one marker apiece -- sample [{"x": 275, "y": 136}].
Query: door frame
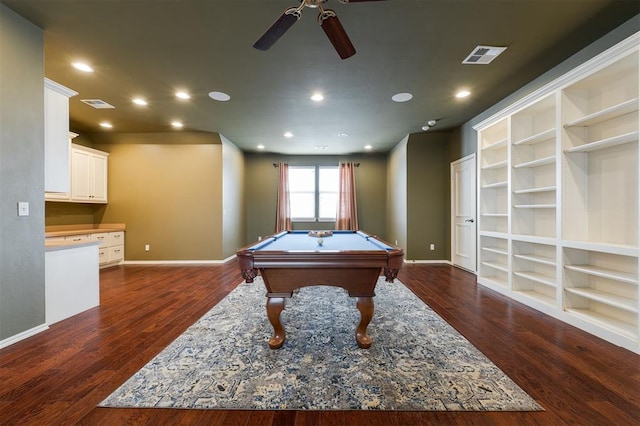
[{"x": 453, "y": 208}]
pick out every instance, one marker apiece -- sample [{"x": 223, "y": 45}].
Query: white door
[{"x": 463, "y": 212}]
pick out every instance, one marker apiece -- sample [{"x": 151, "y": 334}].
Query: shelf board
[
  {"x": 534, "y": 206},
  {"x": 621, "y": 249},
  {"x": 493, "y": 280},
  {"x": 624, "y": 303},
  {"x": 496, "y": 266},
  {"x": 496, "y": 145},
  {"x": 533, "y": 190},
  {"x": 538, "y": 296},
  {"x": 611, "y": 274},
  {"x": 605, "y": 143},
  {"x": 502, "y": 184},
  {"x": 620, "y": 327},
  {"x": 536, "y": 277},
  {"x": 538, "y": 137},
  {"x": 495, "y": 250},
  {"x": 496, "y": 165},
  {"x": 494, "y": 214},
  {"x": 537, "y": 259},
  {"x": 605, "y": 114},
  {"x": 493, "y": 234},
  {"x": 535, "y": 163}
]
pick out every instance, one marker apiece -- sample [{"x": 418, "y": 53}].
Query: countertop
[
  {"x": 63, "y": 245},
  {"x": 65, "y": 230}
]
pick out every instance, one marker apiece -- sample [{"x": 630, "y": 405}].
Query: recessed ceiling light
[
  {"x": 106, "y": 125},
  {"x": 81, "y": 66},
  {"x": 342, "y": 135},
  {"x": 317, "y": 97},
  {"x": 140, "y": 101},
  {"x": 260, "y": 147},
  {"x": 402, "y": 97},
  {"x": 183, "y": 95},
  {"x": 177, "y": 125},
  {"x": 463, "y": 94},
  {"x": 219, "y": 96},
  {"x": 368, "y": 147},
  {"x": 321, "y": 147},
  {"x": 288, "y": 134}
]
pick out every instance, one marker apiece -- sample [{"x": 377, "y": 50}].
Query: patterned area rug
[{"x": 417, "y": 361}]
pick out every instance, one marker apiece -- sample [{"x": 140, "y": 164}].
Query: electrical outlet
[
  {"x": 432, "y": 247},
  {"x": 147, "y": 247},
  {"x": 23, "y": 208}
]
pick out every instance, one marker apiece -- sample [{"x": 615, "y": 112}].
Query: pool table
[{"x": 290, "y": 260}]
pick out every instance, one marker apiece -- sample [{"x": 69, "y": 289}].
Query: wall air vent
[
  {"x": 483, "y": 55},
  {"x": 97, "y": 103}
]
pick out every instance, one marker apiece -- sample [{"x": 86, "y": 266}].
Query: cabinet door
[
  {"x": 80, "y": 175},
  {"x": 99, "y": 178},
  {"x": 56, "y": 142}
]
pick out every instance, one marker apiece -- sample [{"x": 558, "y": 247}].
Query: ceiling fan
[{"x": 327, "y": 19}]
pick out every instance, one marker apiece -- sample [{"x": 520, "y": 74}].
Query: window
[{"x": 313, "y": 192}]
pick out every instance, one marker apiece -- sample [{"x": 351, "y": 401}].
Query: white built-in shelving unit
[{"x": 559, "y": 203}]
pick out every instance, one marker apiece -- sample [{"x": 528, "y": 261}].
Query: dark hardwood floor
[{"x": 59, "y": 376}]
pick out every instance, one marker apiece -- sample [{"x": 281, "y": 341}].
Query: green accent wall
[{"x": 262, "y": 182}]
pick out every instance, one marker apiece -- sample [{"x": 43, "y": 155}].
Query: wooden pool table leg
[
  {"x": 365, "y": 306},
  {"x": 275, "y": 305}
]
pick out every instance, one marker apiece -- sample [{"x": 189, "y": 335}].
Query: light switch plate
[{"x": 23, "y": 208}]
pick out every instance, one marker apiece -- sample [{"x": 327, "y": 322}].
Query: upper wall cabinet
[
  {"x": 56, "y": 136},
  {"x": 559, "y": 197},
  {"x": 88, "y": 175}
]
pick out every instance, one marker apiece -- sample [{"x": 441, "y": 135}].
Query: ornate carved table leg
[
  {"x": 275, "y": 305},
  {"x": 365, "y": 306}
]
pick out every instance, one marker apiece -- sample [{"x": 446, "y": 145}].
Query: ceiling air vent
[
  {"x": 482, "y": 55},
  {"x": 97, "y": 103}
]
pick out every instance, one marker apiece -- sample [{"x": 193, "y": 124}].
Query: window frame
[{"x": 316, "y": 198}]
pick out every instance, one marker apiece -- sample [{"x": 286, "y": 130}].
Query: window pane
[
  {"x": 302, "y": 205},
  {"x": 328, "y": 205},
  {"x": 328, "y": 179},
  {"x": 302, "y": 179}
]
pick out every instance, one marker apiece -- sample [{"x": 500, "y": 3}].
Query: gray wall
[
  {"x": 22, "y": 293},
  {"x": 233, "y": 203},
  {"x": 427, "y": 195},
  {"x": 261, "y": 182}
]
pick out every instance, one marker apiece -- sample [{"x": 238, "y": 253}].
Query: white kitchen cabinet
[
  {"x": 56, "y": 142},
  {"x": 88, "y": 175},
  {"x": 559, "y": 197}
]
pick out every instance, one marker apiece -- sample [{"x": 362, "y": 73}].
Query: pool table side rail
[{"x": 251, "y": 259}]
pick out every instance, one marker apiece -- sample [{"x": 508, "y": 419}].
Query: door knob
[{"x": 469, "y": 220}]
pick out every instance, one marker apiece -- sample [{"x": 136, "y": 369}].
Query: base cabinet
[
  {"x": 111, "y": 249},
  {"x": 559, "y": 197}
]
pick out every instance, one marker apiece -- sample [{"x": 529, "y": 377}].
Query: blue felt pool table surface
[{"x": 339, "y": 241}]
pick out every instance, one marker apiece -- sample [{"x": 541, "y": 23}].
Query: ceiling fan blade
[
  {"x": 336, "y": 34},
  {"x": 277, "y": 30}
]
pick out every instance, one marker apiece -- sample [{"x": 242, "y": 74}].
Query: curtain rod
[{"x": 276, "y": 164}]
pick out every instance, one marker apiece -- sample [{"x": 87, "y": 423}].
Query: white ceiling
[{"x": 152, "y": 48}]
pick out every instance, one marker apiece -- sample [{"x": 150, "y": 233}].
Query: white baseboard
[
  {"x": 178, "y": 262},
  {"x": 447, "y": 262},
  {"x": 21, "y": 336}
]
